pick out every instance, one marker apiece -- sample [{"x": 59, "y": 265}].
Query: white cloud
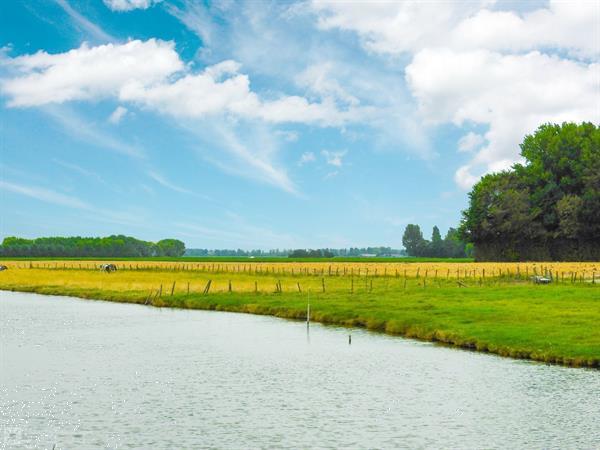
[
  {"x": 319, "y": 80},
  {"x": 88, "y": 174},
  {"x": 44, "y": 195},
  {"x": 85, "y": 209},
  {"x": 288, "y": 136},
  {"x": 472, "y": 64},
  {"x": 470, "y": 142},
  {"x": 88, "y": 73},
  {"x": 306, "y": 157},
  {"x": 117, "y": 114},
  {"x": 512, "y": 94},
  {"x": 222, "y": 89},
  {"x": 129, "y": 5},
  {"x": 572, "y": 26},
  {"x": 412, "y": 25},
  {"x": 90, "y": 133},
  {"x": 151, "y": 74},
  {"x": 334, "y": 158},
  {"x": 395, "y": 27},
  {"x": 84, "y": 24},
  {"x": 163, "y": 181}
]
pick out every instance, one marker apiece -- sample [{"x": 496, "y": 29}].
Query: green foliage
[
  {"x": 170, "y": 247},
  {"x": 449, "y": 247},
  {"x": 318, "y": 253},
  {"x": 111, "y": 246},
  {"x": 413, "y": 240},
  {"x": 548, "y": 208}
]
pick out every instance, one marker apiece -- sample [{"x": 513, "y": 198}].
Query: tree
[
  {"x": 548, "y": 207},
  {"x": 436, "y": 248},
  {"x": 170, "y": 247},
  {"x": 413, "y": 240}
]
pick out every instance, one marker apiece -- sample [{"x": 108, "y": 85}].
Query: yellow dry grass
[{"x": 409, "y": 269}]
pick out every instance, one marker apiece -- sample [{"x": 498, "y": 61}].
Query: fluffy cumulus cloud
[
  {"x": 151, "y": 74},
  {"x": 472, "y": 64},
  {"x": 129, "y": 5},
  {"x": 87, "y": 73},
  {"x": 512, "y": 94}
]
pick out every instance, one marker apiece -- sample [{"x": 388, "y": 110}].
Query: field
[{"x": 491, "y": 307}]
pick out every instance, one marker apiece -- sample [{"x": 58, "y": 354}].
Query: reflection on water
[{"x": 85, "y": 374}]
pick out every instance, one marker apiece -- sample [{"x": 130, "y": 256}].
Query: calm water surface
[{"x": 82, "y": 374}]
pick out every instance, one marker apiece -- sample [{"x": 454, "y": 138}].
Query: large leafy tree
[
  {"x": 413, "y": 240},
  {"x": 548, "y": 206}
]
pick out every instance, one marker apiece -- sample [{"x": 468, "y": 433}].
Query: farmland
[{"x": 492, "y": 307}]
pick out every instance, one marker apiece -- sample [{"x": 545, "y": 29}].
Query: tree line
[
  {"x": 300, "y": 253},
  {"x": 111, "y": 246},
  {"x": 545, "y": 209},
  {"x": 452, "y": 246}
]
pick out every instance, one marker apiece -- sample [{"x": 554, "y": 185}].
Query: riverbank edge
[{"x": 201, "y": 302}]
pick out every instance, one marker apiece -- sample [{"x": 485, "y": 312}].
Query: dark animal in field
[
  {"x": 2, "y": 267},
  {"x": 108, "y": 268}
]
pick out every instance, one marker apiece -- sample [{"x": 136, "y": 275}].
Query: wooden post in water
[{"x": 308, "y": 310}]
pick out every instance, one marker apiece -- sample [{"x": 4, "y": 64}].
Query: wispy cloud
[
  {"x": 334, "y": 158},
  {"x": 44, "y": 195},
  {"x": 306, "y": 157},
  {"x": 80, "y": 170},
  {"x": 90, "y": 133},
  {"x": 69, "y": 201},
  {"x": 117, "y": 115},
  {"x": 85, "y": 24},
  {"x": 163, "y": 181},
  {"x": 251, "y": 155}
]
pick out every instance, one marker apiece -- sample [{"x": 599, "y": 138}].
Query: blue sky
[{"x": 264, "y": 125}]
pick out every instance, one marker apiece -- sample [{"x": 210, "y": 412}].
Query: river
[{"x": 78, "y": 374}]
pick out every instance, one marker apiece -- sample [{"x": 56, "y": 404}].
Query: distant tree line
[
  {"x": 301, "y": 253},
  {"x": 545, "y": 209},
  {"x": 310, "y": 253},
  {"x": 450, "y": 247},
  {"x": 111, "y": 246}
]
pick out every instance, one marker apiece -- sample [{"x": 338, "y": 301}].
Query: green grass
[{"x": 555, "y": 323}]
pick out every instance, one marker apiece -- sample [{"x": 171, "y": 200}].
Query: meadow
[{"x": 490, "y": 307}]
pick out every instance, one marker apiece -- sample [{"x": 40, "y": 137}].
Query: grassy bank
[{"x": 552, "y": 323}]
